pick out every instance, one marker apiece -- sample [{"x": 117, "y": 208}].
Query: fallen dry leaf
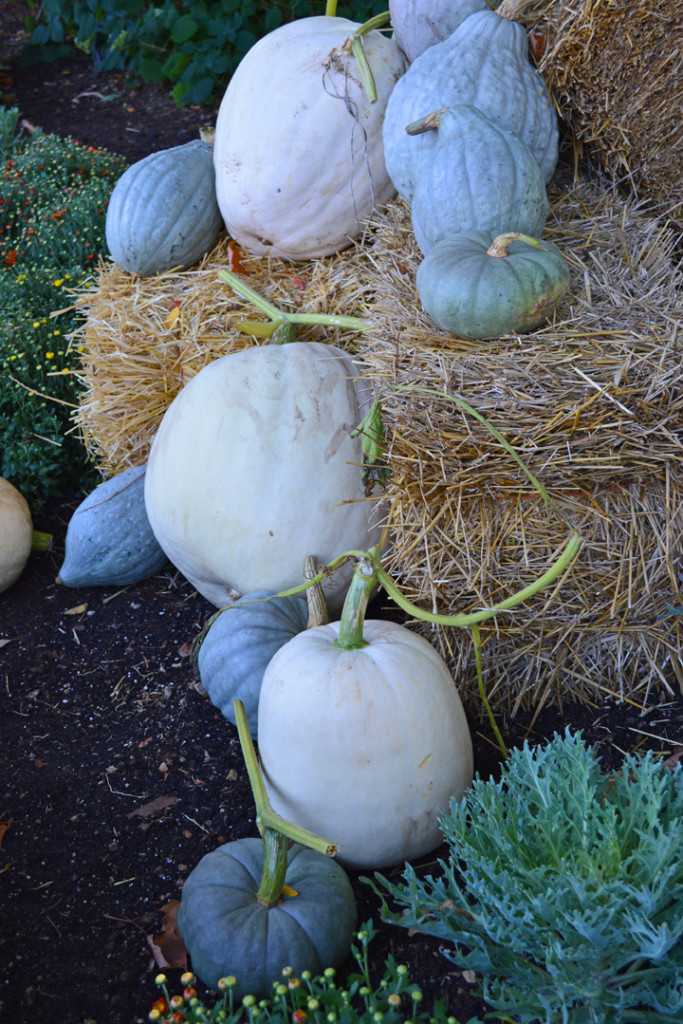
[
  {"x": 8, "y": 640},
  {"x": 4, "y": 827},
  {"x": 160, "y": 803},
  {"x": 674, "y": 758},
  {"x": 78, "y": 609},
  {"x": 169, "y": 945}
]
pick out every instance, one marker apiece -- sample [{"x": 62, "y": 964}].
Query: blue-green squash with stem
[
  {"x": 480, "y": 176},
  {"x": 257, "y": 905},
  {"x": 484, "y": 62},
  {"x": 481, "y": 287}
]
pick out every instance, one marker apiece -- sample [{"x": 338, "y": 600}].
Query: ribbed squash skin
[
  {"x": 419, "y": 24},
  {"x": 485, "y": 63},
  {"x": 227, "y": 931},
  {"x": 163, "y": 212},
  {"x": 109, "y": 541},
  {"x": 479, "y": 177},
  {"x": 475, "y": 295},
  {"x": 238, "y": 645},
  {"x": 16, "y": 531}
]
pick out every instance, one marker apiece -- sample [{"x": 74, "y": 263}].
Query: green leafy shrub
[
  {"x": 53, "y": 199},
  {"x": 311, "y": 1000},
  {"x": 194, "y": 46},
  {"x": 563, "y": 889}
]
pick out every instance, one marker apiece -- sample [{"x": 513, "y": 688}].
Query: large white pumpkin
[
  {"x": 365, "y": 746},
  {"x": 253, "y": 469},
  {"x": 298, "y": 152}
]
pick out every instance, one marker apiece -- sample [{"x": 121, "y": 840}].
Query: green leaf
[{"x": 183, "y": 28}]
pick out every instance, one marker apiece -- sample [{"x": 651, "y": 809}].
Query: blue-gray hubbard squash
[
  {"x": 484, "y": 62},
  {"x": 163, "y": 212}
]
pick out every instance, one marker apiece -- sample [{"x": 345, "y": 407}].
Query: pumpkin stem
[
  {"x": 245, "y": 291},
  {"x": 275, "y": 831},
  {"x": 331, "y": 8},
  {"x": 356, "y": 45},
  {"x": 353, "y": 613},
  {"x": 315, "y": 595},
  {"x": 499, "y": 245},
  {"x": 429, "y": 123},
  {"x": 41, "y": 541}
]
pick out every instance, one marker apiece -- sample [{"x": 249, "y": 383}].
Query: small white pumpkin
[
  {"x": 362, "y": 735},
  {"x": 298, "y": 151},
  {"x": 16, "y": 533},
  {"x": 253, "y": 469}
]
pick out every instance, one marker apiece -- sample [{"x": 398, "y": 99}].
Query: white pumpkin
[
  {"x": 16, "y": 533},
  {"x": 298, "y": 151},
  {"x": 253, "y": 469},
  {"x": 367, "y": 744},
  {"x": 419, "y": 24}
]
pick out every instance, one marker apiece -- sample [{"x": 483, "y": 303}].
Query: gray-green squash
[
  {"x": 163, "y": 212},
  {"x": 109, "y": 541},
  {"x": 479, "y": 287},
  {"x": 479, "y": 177},
  {"x": 484, "y": 62},
  {"x": 234, "y": 651}
]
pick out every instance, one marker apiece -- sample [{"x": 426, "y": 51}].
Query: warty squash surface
[{"x": 485, "y": 63}]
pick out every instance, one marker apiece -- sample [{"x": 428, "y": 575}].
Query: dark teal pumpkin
[
  {"x": 240, "y": 641},
  {"x": 109, "y": 541},
  {"x": 226, "y": 930},
  {"x": 475, "y": 288},
  {"x": 479, "y": 177}
]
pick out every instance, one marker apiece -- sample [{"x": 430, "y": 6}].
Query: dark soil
[{"x": 102, "y": 717}]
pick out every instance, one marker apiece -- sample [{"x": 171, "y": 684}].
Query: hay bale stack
[
  {"x": 615, "y": 69},
  {"x": 592, "y": 403}
]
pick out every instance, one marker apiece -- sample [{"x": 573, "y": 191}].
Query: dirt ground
[{"x": 117, "y": 774}]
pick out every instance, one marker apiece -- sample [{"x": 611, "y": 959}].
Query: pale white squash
[
  {"x": 298, "y": 151},
  {"x": 253, "y": 469},
  {"x": 367, "y": 744},
  {"x": 419, "y": 24},
  {"x": 16, "y": 533}
]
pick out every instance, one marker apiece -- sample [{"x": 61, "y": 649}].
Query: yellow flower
[
  {"x": 49, "y": 355},
  {"x": 59, "y": 282},
  {"x": 36, "y": 323}
]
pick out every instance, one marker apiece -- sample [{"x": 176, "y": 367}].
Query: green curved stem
[
  {"x": 466, "y": 407},
  {"x": 245, "y": 291},
  {"x": 353, "y": 613},
  {"x": 274, "y": 829},
  {"x": 331, "y": 8},
  {"x": 476, "y": 637},
  {"x": 469, "y": 619}
]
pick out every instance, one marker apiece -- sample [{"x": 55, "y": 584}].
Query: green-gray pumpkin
[
  {"x": 419, "y": 24},
  {"x": 479, "y": 177},
  {"x": 163, "y": 212},
  {"x": 479, "y": 287},
  {"x": 234, "y": 651},
  {"x": 227, "y": 931},
  {"x": 485, "y": 63},
  {"x": 109, "y": 541}
]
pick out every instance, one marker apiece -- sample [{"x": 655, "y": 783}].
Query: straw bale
[
  {"x": 615, "y": 70},
  {"x": 592, "y": 402}
]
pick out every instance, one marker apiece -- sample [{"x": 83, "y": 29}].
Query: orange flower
[{"x": 11, "y": 257}]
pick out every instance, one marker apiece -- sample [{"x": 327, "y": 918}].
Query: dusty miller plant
[{"x": 563, "y": 889}]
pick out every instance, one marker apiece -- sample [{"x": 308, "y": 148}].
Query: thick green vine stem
[
  {"x": 499, "y": 245},
  {"x": 245, "y": 291},
  {"x": 353, "y": 613},
  {"x": 356, "y": 45},
  {"x": 41, "y": 541},
  {"x": 275, "y": 830}
]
